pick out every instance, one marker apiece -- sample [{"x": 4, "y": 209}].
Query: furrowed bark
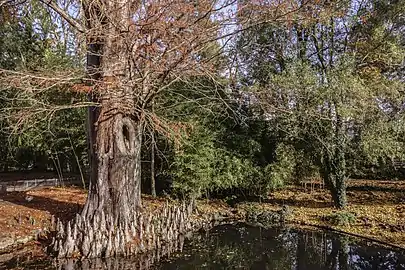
[
  {"x": 108, "y": 220},
  {"x": 102, "y": 236},
  {"x": 122, "y": 46}
]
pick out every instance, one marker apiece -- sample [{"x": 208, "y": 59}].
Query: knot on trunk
[{"x": 125, "y": 135}]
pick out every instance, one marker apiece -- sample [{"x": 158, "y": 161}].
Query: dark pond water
[
  {"x": 245, "y": 247},
  {"x": 240, "y": 246}
]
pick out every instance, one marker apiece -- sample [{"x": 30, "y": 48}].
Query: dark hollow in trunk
[
  {"x": 115, "y": 185},
  {"x": 108, "y": 221},
  {"x": 112, "y": 222}
]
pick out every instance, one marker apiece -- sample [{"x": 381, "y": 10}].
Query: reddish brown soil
[{"x": 22, "y": 213}]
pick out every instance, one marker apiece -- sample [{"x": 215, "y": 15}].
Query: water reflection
[
  {"x": 241, "y": 246},
  {"x": 244, "y": 247},
  {"x": 144, "y": 261}
]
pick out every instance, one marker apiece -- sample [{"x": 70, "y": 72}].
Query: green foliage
[
  {"x": 341, "y": 218},
  {"x": 309, "y": 78},
  {"x": 19, "y": 46},
  {"x": 201, "y": 167},
  {"x": 315, "y": 97},
  {"x": 328, "y": 117},
  {"x": 57, "y": 142},
  {"x": 49, "y": 137},
  {"x": 281, "y": 172}
]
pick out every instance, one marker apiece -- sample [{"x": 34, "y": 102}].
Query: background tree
[
  {"x": 59, "y": 144},
  {"x": 319, "y": 89}
]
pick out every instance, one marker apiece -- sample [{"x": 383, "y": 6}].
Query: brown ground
[
  {"x": 378, "y": 207},
  {"x": 20, "y": 217},
  {"x": 31, "y": 175}
]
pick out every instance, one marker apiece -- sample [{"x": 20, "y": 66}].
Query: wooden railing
[
  {"x": 398, "y": 164},
  {"x": 312, "y": 183}
]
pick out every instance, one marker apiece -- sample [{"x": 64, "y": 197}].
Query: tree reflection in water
[
  {"x": 245, "y": 247},
  {"x": 240, "y": 246}
]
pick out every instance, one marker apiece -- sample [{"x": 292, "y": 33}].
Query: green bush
[
  {"x": 342, "y": 218},
  {"x": 200, "y": 167},
  {"x": 282, "y": 171},
  {"x": 203, "y": 166}
]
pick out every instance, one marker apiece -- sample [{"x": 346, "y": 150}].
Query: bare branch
[{"x": 64, "y": 15}]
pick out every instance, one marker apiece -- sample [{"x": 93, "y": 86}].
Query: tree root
[
  {"x": 141, "y": 261},
  {"x": 102, "y": 237}
]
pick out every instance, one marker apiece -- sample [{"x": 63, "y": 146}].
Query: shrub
[
  {"x": 281, "y": 172},
  {"x": 202, "y": 167},
  {"x": 342, "y": 218}
]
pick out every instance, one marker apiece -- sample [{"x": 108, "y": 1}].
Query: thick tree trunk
[
  {"x": 339, "y": 165},
  {"x": 338, "y": 190},
  {"x": 339, "y": 194},
  {"x": 115, "y": 128},
  {"x": 115, "y": 138},
  {"x": 116, "y": 188},
  {"x": 334, "y": 175},
  {"x": 111, "y": 222},
  {"x": 108, "y": 221},
  {"x": 333, "y": 165}
]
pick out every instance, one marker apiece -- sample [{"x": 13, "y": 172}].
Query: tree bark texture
[
  {"x": 112, "y": 222},
  {"x": 143, "y": 261},
  {"x": 115, "y": 189},
  {"x": 334, "y": 177},
  {"x": 102, "y": 236},
  {"x": 110, "y": 216},
  {"x": 333, "y": 167}
]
